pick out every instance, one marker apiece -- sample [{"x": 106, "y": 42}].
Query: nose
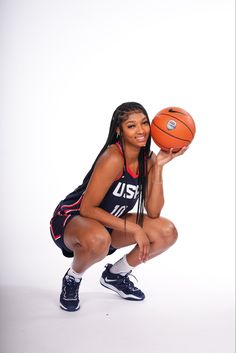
[{"x": 140, "y": 129}]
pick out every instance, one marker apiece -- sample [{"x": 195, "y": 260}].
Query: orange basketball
[{"x": 172, "y": 128}]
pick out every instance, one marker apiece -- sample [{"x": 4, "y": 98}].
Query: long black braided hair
[{"x": 121, "y": 114}]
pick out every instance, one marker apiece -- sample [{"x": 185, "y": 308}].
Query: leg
[
  {"x": 89, "y": 241},
  {"x": 160, "y": 231}
]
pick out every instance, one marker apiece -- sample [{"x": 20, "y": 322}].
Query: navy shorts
[{"x": 57, "y": 228}]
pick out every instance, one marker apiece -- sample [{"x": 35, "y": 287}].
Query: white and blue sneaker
[
  {"x": 69, "y": 298},
  {"x": 121, "y": 284}
]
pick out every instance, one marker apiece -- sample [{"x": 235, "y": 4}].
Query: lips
[{"x": 141, "y": 138}]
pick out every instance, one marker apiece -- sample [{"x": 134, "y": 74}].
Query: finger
[
  {"x": 180, "y": 152},
  {"x": 185, "y": 148},
  {"x": 146, "y": 252},
  {"x": 169, "y": 154},
  {"x": 141, "y": 252}
]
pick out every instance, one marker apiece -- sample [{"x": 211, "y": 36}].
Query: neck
[{"x": 131, "y": 153}]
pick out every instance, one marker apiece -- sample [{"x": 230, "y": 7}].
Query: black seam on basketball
[
  {"x": 174, "y": 117},
  {"x": 176, "y": 111},
  {"x": 178, "y": 138}
]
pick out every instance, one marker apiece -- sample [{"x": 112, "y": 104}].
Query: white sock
[
  {"x": 121, "y": 267},
  {"x": 74, "y": 274}
]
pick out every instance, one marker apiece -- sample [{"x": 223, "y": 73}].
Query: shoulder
[
  {"x": 112, "y": 155},
  {"x": 111, "y": 161}
]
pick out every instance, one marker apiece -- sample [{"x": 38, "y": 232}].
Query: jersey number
[{"x": 118, "y": 210}]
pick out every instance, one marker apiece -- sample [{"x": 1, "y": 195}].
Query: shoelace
[
  {"x": 71, "y": 288},
  {"x": 128, "y": 282}
]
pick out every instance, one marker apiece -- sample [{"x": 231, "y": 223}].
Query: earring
[{"x": 117, "y": 136}]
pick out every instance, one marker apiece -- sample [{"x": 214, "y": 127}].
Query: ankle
[
  {"x": 121, "y": 267},
  {"x": 77, "y": 275}
]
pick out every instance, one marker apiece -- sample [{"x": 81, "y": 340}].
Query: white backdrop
[{"x": 65, "y": 67}]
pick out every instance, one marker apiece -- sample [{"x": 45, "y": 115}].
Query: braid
[{"x": 121, "y": 114}]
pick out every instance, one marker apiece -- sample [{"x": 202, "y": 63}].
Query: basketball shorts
[{"x": 57, "y": 228}]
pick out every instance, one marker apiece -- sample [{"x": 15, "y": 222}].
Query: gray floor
[{"x": 175, "y": 317}]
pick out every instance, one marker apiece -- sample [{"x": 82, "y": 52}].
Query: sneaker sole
[
  {"x": 70, "y": 310},
  {"x": 121, "y": 294}
]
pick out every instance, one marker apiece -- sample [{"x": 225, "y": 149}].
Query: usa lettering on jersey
[{"x": 131, "y": 191}]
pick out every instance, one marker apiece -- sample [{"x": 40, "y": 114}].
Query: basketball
[{"x": 172, "y": 128}]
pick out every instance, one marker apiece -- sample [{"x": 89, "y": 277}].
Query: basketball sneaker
[
  {"x": 69, "y": 298},
  {"x": 121, "y": 284}
]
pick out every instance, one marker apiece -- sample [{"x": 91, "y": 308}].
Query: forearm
[
  {"x": 107, "y": 219},
  {"x": 155, "y": 198}
]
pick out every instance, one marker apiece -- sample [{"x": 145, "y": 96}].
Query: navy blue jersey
[{"x": 119, "y": 199}]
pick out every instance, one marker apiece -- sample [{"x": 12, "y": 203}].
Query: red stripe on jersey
[
  {"x": 134, "y": 175},
  {"x": 72, "y": 210},
  {"x": 73, "y": 204},
  {"x": 64, "y": 223}
]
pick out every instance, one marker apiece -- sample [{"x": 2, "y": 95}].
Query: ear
[{"x": 118, "y": 131}]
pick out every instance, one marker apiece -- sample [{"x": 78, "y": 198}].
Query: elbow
[
  {"x": 154, "y": 212},
  {"x": 84, "y": 210},
  {"x": 87, "y": 209},
  {"x": 153, "y": 215}
]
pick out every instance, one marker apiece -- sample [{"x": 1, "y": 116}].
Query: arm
[
  {"x": 155, "y": 193},
  {"x": 107, "y": 168}
]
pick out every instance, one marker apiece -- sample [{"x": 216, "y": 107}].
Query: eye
[
  {"x": 146, "y": 122},
  {"x": 130, "y": 126}
]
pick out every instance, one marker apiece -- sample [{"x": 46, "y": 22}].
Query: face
[{"x": 135, "y": 129}]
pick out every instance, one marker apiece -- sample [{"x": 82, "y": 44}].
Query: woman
[{"x": 94, "y": 220}]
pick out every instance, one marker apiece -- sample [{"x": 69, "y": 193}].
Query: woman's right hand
[
  {"x": 143, "y": 242},
  {"x": 164, "y": 157}
]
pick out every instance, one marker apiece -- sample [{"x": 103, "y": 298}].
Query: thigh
[
  {"x": 82, "y": 230},
  {"x": 152, "y": 226}
]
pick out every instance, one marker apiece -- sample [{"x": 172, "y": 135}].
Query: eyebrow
[{"x": 134, "y": 121}]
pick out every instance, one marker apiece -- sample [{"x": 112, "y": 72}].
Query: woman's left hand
[{"x": 165, "y": 157}]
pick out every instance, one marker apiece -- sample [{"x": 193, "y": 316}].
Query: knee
[
  {"x": 98, "y": 244},
  {"x": 169, "y": 232}
]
